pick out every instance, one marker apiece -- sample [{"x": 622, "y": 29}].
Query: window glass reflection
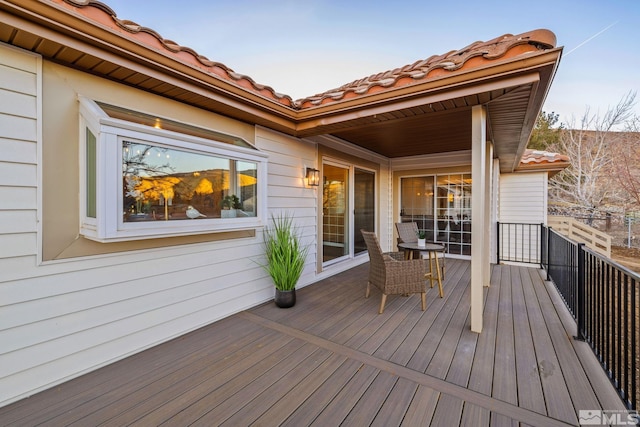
[
  {"x": 441, "y": 206},
  {"x": 166, "y": 184}
]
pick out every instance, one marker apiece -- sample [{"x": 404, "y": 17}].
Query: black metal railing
[
  {"x": 519, "y": 242},
  {"x": 561, "y": 264},
  {"x": 602, "y": 296},
  {"x": 608, "y": 309}
]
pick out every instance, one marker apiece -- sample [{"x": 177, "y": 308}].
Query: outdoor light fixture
[{"x": 313, "y": 177}]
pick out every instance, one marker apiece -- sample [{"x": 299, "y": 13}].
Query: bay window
[{"x": 149, "y": 177}]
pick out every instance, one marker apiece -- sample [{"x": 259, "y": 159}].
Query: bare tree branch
[{"x": 589, "y": 181}]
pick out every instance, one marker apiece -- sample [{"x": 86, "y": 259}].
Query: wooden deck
[{"x": 332, "y": 360}]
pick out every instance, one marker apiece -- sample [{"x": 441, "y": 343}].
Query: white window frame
[{"x": 109, "y": 226}]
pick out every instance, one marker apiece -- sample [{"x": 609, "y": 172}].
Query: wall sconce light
[{"x": 313, "y": 177}]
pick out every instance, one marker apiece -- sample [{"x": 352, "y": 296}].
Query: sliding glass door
[
  {"x": 441, "y": 206},
  {"x": 335, "y": 212},
  {"x": 348, "y": 205},
  {"x": 364, "y": 207}
]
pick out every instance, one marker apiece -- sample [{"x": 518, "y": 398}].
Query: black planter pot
[{"x": 285, "y": 299}]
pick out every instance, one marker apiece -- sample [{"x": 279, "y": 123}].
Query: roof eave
[
  {"x": 57, "y": 24},
  {"x": 515, "y": 71}
]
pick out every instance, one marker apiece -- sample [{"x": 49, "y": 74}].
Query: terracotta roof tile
[
  {"x": 475, "y": 55},
  {"x": 542, "y": 157},
  {"x": 537, "y": 160},
  {"x": 103, "y": 14}
]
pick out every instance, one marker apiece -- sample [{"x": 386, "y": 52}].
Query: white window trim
[{"x": 108, "y": 226}]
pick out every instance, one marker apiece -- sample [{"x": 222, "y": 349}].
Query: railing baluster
[
  {"x": 498, "y": 228},
  {"x": 635, "y": 301},
  {"x": 580, "y": 309},
  {"x": 625, "y": 304},
  {"x": 617, "y": 309}
]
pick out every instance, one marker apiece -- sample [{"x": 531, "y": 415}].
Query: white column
[
  {"x": 478, "y": 200},
  {"x": 495, "y": 209},
  {"x": 488, "y": 225}
]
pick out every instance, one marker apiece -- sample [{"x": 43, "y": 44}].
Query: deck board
[
  {"x": 364, "y": 412},
  {"x": 288, "y": 403},
  {"x": 272, "y": 388},
  {"x": 422, "y": 407},
  {"x": 320, "y": 399},
  {"x": 481, "y": 377},
  {"x": 343, "y": 402},
  {"x": 504, "y": 374},
  {"x": 428, "y": 346},
  {"x": 72, "y": 397},
  {"x": 392, "y": 411},
  {"x": 448, "y": 344},
  {"x": 418, "y": 335},
  {"x": 530, "y": 394},
  {"x": 137, "y": 402},
  {"x": 557, "y": 398},
  {"x": 241, "y": 370},
  {"x": 577, "y": 384},
  {"x": 332, "y": 359},
  {"x": 474, "y": 415}
]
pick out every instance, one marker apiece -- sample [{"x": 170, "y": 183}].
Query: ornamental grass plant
[{"x": 284, "y": 252}]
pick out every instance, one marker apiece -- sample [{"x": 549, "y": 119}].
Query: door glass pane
[
  {"x": 335, "y": 212},
  {"x": 454, "y": 212},
  {"x": 364, "y": 209},
  {"x": 416, "y": 203}
]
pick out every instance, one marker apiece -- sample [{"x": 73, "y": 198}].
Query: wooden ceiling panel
[
  {"x": 6, "y": 33},
  {"x": 416, "y": 135},
  {"x": 26, "y": 40},
  {"x": 105, "y": 68},
  {"x": 68, "y": 55},
  {"x": 121, "y": 73},
  {"x": 87, "y": 61},
  {"x": 47, "y": 48}
]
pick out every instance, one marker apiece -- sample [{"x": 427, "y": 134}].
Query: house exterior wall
[
  {"x": 61, "y": 316},
  {"x": 523, "y": 197},
  {"x": 522, "y": 200},
  {"x": 20, "y": 86}
]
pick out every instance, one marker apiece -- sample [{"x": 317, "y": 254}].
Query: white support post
[
  {"x": 489, "y": 194},
  {"x": 495, "y": 209},
  {"x": 478, "y": 200}
]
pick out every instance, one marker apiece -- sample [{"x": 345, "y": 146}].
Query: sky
[{"x": 301, "y": 48}]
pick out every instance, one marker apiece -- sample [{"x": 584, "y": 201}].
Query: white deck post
[
  {"x": 489, "y": 191},
  {"x": 478, "y": 223}
]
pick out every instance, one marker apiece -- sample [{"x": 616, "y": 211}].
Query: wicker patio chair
[
  {"x": 392, "y": 274},
  {"x": 408, "y": 233}
]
